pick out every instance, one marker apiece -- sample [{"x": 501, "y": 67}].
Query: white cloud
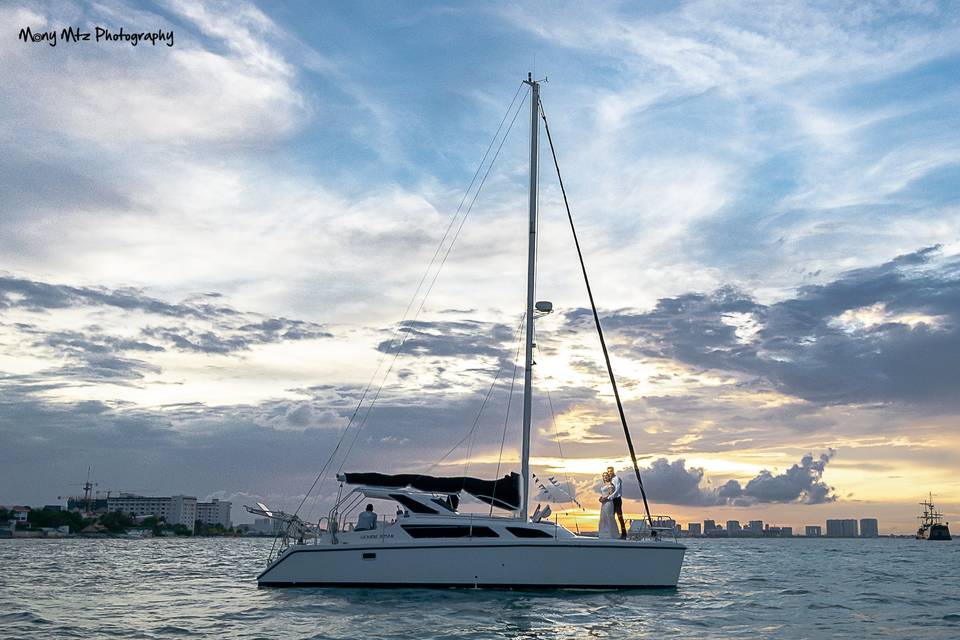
[{"x": 114, "y": 96}]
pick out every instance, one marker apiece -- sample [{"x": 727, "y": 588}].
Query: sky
[{"x": 213, "y": 254}]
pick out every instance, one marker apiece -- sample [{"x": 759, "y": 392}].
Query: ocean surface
[{"x": 182, "y": 588}]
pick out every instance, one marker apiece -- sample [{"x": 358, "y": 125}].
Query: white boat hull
[{"x": 581, "y": 563}]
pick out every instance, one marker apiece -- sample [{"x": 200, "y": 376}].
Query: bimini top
[{"x": 503, "y": 493}]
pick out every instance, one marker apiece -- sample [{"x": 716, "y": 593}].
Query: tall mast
[{"x": 531, "y": 277}]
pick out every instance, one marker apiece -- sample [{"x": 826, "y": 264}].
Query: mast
[{"x": 531, "y": 277}]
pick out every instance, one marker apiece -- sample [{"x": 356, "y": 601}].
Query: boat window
[
  {"x": 446, "y": 504},
  {"x": 413, "y": 505},
  {"x": 524, "y": 532},
  {"x": 448, "y": 531}
]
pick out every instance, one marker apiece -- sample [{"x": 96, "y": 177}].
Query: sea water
[{"x": 756, "y": 588}]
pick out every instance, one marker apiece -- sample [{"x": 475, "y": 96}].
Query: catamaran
[{"x": 432, "y": 543}]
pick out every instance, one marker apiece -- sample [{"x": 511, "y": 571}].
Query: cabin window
[
  {"x": 524, "y": 532},
  {"x": 369, "y": 556},
  {"x": 446, "y": 504},
  {"x": 413, "y": 505},
  {"x": 448, "y": 531}
]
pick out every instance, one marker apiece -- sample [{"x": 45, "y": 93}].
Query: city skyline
[{"x": 208, "y": 247}]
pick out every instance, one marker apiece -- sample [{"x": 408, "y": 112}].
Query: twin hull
[{"x": 581, "y": 564}]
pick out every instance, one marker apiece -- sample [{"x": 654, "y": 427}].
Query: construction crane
[{"x": 87, "y": 492}]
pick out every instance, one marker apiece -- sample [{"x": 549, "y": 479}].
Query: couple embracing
[{"x": 611, "y": 507}]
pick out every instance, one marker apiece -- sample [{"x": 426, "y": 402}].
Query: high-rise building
[
  {"x": 709, "y": 525},
  {"x": 755, "y": 527},
  {"x": 215, "y": 512},
  {"x": 693, "y": 529},
  {"x": 842, "y": 528},
  {"x": 172, "y": 509},
  {"x": 850, "y": 529},
  {"x": 786, "y": 532},
  {"x": 869, "y": 528},
  {"x": 813, "y": 531},
  {"x": 834, "y": 528},
  {"x": 733, "y": 527}
]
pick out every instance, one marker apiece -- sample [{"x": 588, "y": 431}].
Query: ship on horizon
[{"x": 932, "y": 526}]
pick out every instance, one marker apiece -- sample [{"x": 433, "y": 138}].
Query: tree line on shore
[{"x": 111, "y": 522}]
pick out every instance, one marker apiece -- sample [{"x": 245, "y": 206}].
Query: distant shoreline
[{"x": 895, "y": 536}]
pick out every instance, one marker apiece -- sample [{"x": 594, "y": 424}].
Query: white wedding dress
[{"x": 608, "y": 520}]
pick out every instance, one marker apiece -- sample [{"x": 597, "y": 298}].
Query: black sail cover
[{"x": 503, "y": 493}]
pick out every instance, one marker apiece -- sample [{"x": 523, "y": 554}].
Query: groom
[{"x": 617, "y": 498}]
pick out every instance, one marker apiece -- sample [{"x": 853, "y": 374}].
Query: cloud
[
  {"x": 222, "y": 82},
  {"x": 670, "y": 482},
  {"x": 34, "y": 295},
  {"x": 816, "y": 345},
  {"x": 124, "y": 336},
  {"x": 675, "y": 483},
  {"x": 751, "y": 173},
  {"x": 452, "y": 339},
  {"x": 241, "y": 338},
  {"x": 800, "y": 483}
]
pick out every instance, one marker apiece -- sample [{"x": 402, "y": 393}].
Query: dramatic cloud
[
  {"x": 742, "y": 183},
  {"x": 800, "y": 483},
  {"x": 889, "y": 333},
  {"x": 675, "y": 483},
  {"x": 128, "y": 347}
]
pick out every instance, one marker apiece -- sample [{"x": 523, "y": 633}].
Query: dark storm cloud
[
  {"x": 452, "y": 339},
  {"x": 675, "y": 483},
  {"x": 798, "y": 347}
]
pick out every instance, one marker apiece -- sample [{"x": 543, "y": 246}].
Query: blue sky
[{"x": 205, "y": 244}]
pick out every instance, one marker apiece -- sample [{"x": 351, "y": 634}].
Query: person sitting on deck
[{"x": 367, "y": 520}]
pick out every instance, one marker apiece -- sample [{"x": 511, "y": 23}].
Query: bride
[{"x": 608, "y": 522}]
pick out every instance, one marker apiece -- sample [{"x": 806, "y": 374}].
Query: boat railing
[
  {"x": 320, "y": 529},
  {"x": 659, "y": 527}
]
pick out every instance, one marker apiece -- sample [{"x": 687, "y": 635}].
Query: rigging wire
[
  {"x": 479, "y": 413},
  {"x": 436, "y": 275},
  {"x": 320, "y": 476},
  {"x": 456, "y": 214},
  {"x": 596, "y": 319},
  {"x": 470, "y": 442},
  {"x": 556, "y": 431},
  {"x": 506, "y": 420}
]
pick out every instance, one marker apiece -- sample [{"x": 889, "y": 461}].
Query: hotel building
[
  {"x": 869, "y": 528},
  {"x": 172, "y": 509},
  {"x": 842, "y": 528},
  {"x": 215, "y": 512}
]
